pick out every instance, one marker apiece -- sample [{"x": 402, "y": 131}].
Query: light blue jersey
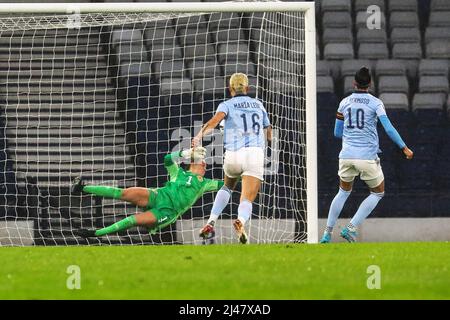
[
  {"x": 244, "y": 122},
  {"x": 360, "y": 136}
]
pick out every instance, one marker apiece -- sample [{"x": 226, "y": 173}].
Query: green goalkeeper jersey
[{"x": 184, "y": 188}]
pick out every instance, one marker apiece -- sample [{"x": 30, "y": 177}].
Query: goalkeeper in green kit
[{"x": 161, "y": 206}]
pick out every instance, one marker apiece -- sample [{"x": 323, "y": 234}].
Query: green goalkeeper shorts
[{"x": 161, "y": 206}]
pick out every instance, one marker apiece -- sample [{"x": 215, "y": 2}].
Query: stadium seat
[
  {"x": 123, "y": 36},
  {"x": 210, "y": 89},
  {"x": 350, "y": 67},
  {"x": 130, "y": 53},
  {"x": 434, "y": 67},
  {"x": 402, "y": 35},
  {"x": 189, "y": 21},
  {"x": 174, "y": 68},
  {"x": 338, "y": 35},
  {"x": 395, "y": 101},
  {"x": 402, "y": 5},
  {"x": 224, "y": 20},
  {"x": 390, "y": 67},
  {"x": 409, "y": 50},
  {"x": 338, "y": 51},
  {"x": 440, "y": 5},
  {"x": 193, "y": 36},
  {"x": 428, "y": 100},
  {"x": 363, "y": 17},
  {"x": 325, "y": 84},
  {"x": 202, "y": 51},
  {"x": 204, "y": 68},
  {"x": 438, "y": 50},
  {"x": 403, "y": 19},
  {"x": 135, "y": 69},
  {"x": 336, "y": 20},
  {"x": 336, "y": 5},
  {"x": 322, "y": 68},
  {"x": 439, "y": 19},
  {"x": 233, "y": 53},
  {"x": 175, "y": 86},
  {"x": 362, "y": 5},
  {"x": 437, "y": 34},
  {"x": 226, "y": 35},
  {"x": 272, "y": 68},
  {"x": 161, "y": 52},
  {"x": 160, "y": 36},
  {"x": 434, "y": 84},
  {"x": 365, "y": 35},
  {"x": 373, "y": 51},
  {"x": 396, "y": 84}
]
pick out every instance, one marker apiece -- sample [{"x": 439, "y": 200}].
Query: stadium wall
[{"x": 396, "y": 229}]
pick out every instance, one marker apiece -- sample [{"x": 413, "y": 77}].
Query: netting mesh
[{"x": 106, "y": 96}]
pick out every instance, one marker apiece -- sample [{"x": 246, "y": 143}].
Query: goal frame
[{"x": 203, "y": 7}]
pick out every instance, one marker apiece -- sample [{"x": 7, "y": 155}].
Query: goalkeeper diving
[{"x": 161, "y": 206}]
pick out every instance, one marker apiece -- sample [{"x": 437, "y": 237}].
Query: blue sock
[
  {"x": 220, "y": 202},
  {"x": 366, "y": 208},
  {"x": 336, "y": 207},
  {"x": 244, "y": 211}
]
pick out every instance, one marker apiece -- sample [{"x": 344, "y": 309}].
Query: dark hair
[{"x": 362, "y": 78}]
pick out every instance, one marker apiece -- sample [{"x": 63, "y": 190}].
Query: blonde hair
[{"x": 239, "y": 82}]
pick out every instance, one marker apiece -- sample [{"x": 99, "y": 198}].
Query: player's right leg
[
  {"x": 232, "y": 172},
  {"x": 372, "y": 175},
  {"x": 220, "y": 202},
  {"x": 250, "y": 189},
  {"x": 347, "y": 174},
  {"x": 134, "y": 195}
]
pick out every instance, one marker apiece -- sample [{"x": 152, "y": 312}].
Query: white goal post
[{"x": 36, "y": 36}]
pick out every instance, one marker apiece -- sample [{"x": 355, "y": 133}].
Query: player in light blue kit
[
  {"x": 356, "y": 124},
  {"x": 247, "y": 126}
]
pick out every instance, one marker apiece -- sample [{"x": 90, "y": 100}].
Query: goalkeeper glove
[{"x": 194, "y": 154}]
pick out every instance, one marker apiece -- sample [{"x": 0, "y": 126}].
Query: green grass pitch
[{"x": 282, "y": 271}]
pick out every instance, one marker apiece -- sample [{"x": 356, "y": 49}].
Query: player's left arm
[
  {"x": 170, "y": 163},
  {"x": 171, "y": 159}
]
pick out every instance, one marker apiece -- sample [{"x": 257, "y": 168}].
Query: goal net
[{"x": 106, "y": 92}]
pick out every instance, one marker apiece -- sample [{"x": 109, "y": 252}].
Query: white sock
[
  {"x": 220, "y": 202},
  {"x": 244, "y": 211}
]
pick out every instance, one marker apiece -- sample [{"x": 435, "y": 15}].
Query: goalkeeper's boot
[
  {"x": 77, "y": 186},
  {"x": 349, "y": 235},
  {"x": 85, "y": 233},
  {"x": 207, "y": 232},
  {"x": 240, "y": 230},
  {"x": 326, "y": 238}
]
